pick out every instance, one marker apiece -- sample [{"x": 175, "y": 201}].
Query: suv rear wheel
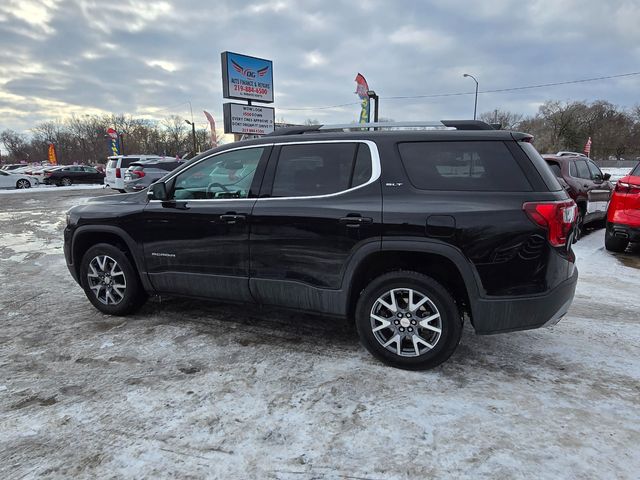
[
  {"x": 110, "y": 281},
  {"x": 408, "y": 320}
]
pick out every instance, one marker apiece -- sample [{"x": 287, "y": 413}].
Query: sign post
[{"x": 251, "y": 79}]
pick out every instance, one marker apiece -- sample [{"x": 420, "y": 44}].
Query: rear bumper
[
  {"x": 620, "y": 230},
  {"x": 524, "y": 313}
]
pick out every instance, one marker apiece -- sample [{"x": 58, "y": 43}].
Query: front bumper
[
  {"x": 620, "y": 230},
  {"x": 523, "y": 313},
  {"x": 67, "y": 254}
]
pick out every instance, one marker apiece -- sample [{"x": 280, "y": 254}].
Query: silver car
[{"x": 143, "y": 173}]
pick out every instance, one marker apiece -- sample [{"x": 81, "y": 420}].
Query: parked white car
[
  {"x": 116, "y": 166},
  {"x": 16, "y": 180}
]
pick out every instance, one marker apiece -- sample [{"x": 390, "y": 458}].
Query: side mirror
[
  {"x": 157, "y": 191},
  {"x": 606, "y": 176}
]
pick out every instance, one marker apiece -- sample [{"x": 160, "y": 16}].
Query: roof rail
[{"x": 437, "y": 124}]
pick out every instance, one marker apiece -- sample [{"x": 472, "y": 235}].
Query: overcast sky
[{"x": 148, "y": 58}]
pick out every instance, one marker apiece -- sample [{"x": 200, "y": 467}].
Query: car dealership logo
[{"x": 247, "y": 72}]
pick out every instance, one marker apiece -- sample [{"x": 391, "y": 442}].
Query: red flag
[
  {"x": 361, "y": 90},
  {"x": 53, "y": 158},
  {"x": 212, "y": 124},
  {"x": 587, "y": 147}
]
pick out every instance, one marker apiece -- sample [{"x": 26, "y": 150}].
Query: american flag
[{"x": 587, "y": 147}]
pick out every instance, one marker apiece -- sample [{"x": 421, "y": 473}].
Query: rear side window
[
  {"x": 320, "y": 169},
  {"x": 462, "y": 166}
]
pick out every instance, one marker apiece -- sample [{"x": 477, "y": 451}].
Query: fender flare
[
  {"x": 134, "y": 248},
  {"x": 468, "y": 273}
]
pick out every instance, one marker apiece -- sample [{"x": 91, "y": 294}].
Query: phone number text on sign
[{"x": 248, "y": 89}]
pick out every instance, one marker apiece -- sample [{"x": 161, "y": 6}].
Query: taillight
[
  {"x": 623, "y": 187},
  {"x": 556, "y": 217},
  {"x": 118, "y": 173},
  {"x": 139, "y": 173}
]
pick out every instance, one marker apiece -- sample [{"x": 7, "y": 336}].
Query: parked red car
[{"x": 623, "y": 215}]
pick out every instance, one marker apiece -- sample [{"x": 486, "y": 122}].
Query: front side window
[
  {"x": 320, "y": 169},
  {"x": 583, "y": 170},
  {"x": 462, "y": 166},
  {"x": 228, "y": 175},
  {"x": 594, "y": 170}
]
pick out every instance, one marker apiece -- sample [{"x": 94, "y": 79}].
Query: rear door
[{"x": 320, "y": 203}]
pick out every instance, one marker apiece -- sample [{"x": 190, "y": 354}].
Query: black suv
[{"x": 404, "y": 231}]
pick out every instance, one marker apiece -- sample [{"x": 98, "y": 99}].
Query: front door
[{"x": 197, "y": 242}]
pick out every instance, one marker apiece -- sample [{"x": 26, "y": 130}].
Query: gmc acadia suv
[{"x": 407, "y": 232}]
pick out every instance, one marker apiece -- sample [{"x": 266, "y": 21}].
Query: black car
[
  {"x": 65, "y": 176},
  {"x": 407, "y": 232}
]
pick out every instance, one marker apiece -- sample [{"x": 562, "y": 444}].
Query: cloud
[{"x": 63, "y": 57}]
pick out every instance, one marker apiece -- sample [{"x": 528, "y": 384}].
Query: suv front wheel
[
  {"x": 408, "y": 320},
  {"x": 110, "y": 281}
]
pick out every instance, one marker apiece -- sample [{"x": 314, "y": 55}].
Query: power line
[{"x": 455, "y": 94}]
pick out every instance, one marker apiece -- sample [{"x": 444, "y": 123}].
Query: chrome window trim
[{"x": 376, "y": 170}]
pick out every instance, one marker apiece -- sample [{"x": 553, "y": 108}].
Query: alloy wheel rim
[
  {"x": 66, "y": 182},
  {"x": 107, "y": 281},
  {"x": 406, "y": 322},
  {"x": 23, "y": 184}
]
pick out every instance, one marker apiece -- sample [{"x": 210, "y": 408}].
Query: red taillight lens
[
  {"x": 556, "y": 217},
  {"x": 118, "y": 173},
  {"x": 139, "y": 173},
  {"x": 623, "y": 187}
]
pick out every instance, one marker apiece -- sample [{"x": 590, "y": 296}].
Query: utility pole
[{"x": 193, "y": 135}]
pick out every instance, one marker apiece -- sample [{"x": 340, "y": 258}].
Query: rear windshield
[
  {"x": 168, "y": 166},
  {"x": 464, "y": 166},
  {"x": 636, "y": 171},
  {"x": 545, "y": 172},
  {"x": 126, "y": 162},
  {"x": 112, "y": 163}
]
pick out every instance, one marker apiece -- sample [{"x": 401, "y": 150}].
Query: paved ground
[{"x": 195, "y": 389}]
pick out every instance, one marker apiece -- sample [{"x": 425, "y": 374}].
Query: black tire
[
  {"x": 133, "y": 295},
  {"x": 614, "y": 244},
  {"x": 22, "y": 183},
  {"x": 122, "y": 191},
  {"x": 450, "y": 321},
  {"x": 66, "y": 182}
]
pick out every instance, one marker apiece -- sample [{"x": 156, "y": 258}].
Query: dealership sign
[
  {"x": 247, "y": 78},
  {"x": 248, "y": 119}
]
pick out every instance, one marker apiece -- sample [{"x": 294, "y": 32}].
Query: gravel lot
[{"x": 194, "y": 389}]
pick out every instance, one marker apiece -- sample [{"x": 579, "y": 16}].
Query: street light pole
[
  {"x": 193, "y": 134},
  {"x": 372, "y": 95},
  {"x": 475, "y": 104}
]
